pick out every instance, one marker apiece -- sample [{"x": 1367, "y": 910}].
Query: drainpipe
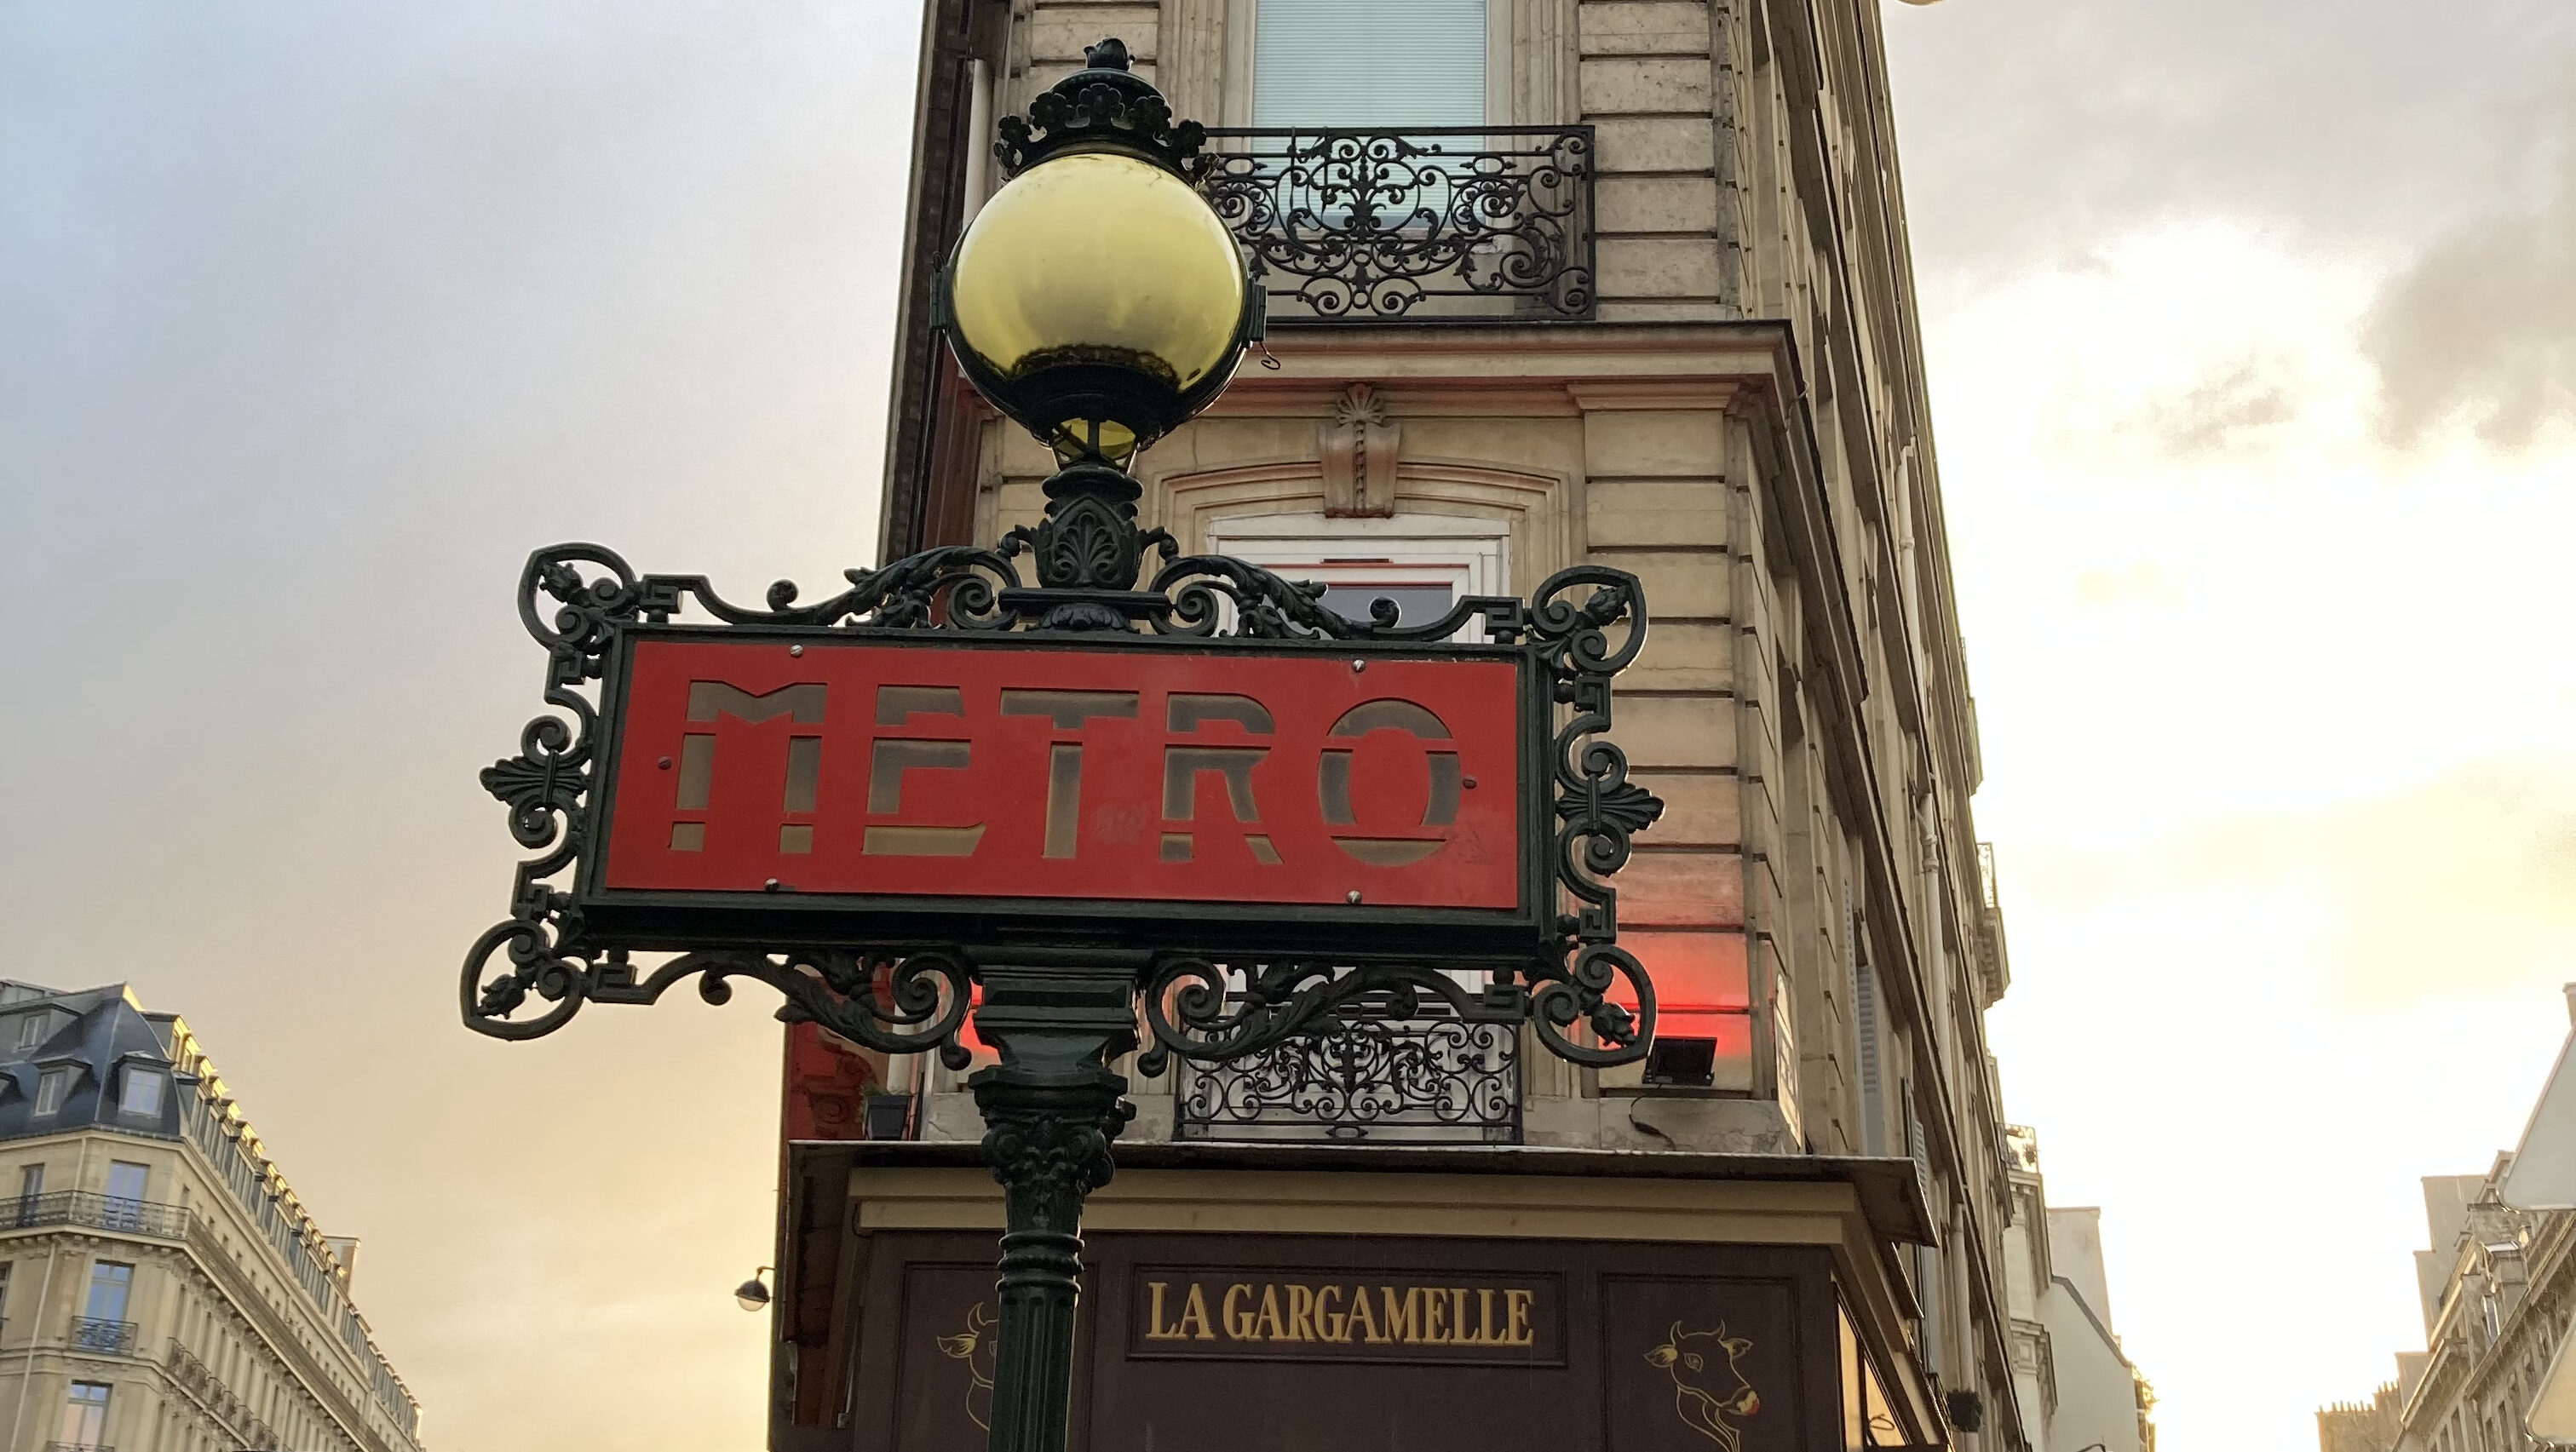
[
  {"x": 979, "y": 138},
  {"x": 44, "y": 1291}
]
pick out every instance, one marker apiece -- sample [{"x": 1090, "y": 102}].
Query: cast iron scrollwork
[
  {"x": 1599, "y": 811},
  {"x": 1368, "y": 226},
  {"x": 1587, "y": 999},
  {"x": 1398, "y": 1070}
]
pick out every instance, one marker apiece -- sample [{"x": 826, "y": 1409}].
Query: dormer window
[
  {"x": 31, "y": 1030},
  {"x": 139, "y": 1097},
  {"x": 51, "y": 1086}
]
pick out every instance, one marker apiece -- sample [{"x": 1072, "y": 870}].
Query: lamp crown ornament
[{"x": 1105, "y": 106}]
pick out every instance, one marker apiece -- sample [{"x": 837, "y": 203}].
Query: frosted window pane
[{"x": 1369, "y": 63}]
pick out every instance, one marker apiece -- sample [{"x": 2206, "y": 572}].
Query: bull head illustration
[
  {"x": 974, "y": 1346},
  {"x": 1707, "y": 1386}
]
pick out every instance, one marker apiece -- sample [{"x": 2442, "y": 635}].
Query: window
[
  {"x": 31, "y": 1181},
  {"x": 1365, "y": 63},
  {"x": 140, "y": 1096},
  {"x": 50, "y": 1088},
  {"x": 125, "y": 1186},
  {"x": 31, "y": 1030},
  {"x": 1424, "y": 563},
  {"x": 1863, "y": 979},
  {"x": 85, "y": 1415},
  {"x": 109, "y": 1284}
]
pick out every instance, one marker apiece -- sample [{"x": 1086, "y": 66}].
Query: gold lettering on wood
[
  {"x": 1194, "y": 1314},
  {"x": 1363, "y": 1319},
  {"x": 1402, "y": 1317},
  {"x": 1267, "y": 1326},
  {"x": 1305, "y": 1313}
]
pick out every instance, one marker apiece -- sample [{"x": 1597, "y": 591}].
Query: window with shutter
[{"x": 1865, "y": 1033}]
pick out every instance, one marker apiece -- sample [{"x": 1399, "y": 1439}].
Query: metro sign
[{"x": 830, "y": 786}]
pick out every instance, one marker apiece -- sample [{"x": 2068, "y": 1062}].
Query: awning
[
  {"x": 2543, "y": 1173},
  {"x": 2553, "y": 1412}
]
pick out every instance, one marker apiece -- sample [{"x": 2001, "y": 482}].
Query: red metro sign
[{"x": 825, "y": 781}]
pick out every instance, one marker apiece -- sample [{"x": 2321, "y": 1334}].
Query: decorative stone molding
[{"x": 1359, "y": 449}]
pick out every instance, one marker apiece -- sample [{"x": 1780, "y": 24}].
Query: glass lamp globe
[{"x": 1098, "y": 300}]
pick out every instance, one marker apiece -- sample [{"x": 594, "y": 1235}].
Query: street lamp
[
  {"x": 752, "y": 1294},
  {"x": 1099, "y": 302},
  {"x": 1097, "y": 299}
]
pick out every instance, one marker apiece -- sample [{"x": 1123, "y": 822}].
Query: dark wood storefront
[{"x": 1235, "y": 1302}]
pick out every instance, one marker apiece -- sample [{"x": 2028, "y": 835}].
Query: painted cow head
[
  {"x": 975, "y": 1347},
  {"x": 1707, "y": 1387}
]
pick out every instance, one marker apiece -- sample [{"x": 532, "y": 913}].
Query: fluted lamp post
[{"x": 1099, "y": 302}]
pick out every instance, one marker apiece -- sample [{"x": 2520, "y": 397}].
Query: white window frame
[
  {"x": 1242, "y": 18},
  {"x": 133, "y": 1074},
  {"x": 53, "y": 1084},
  {"x": 85, "y": 1418},
  {"x": 1471, "y": 555},
  {"x": 31, "y": 1029}
]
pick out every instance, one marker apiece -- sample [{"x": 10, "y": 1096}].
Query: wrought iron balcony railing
[
  {"x": 78, "y": 1447},
  {"x": 106, "y": 1338},
  {"x": 1440, "y": 224},
  {"x": 1415, "y": 1072},
  {"x": 99, "y": 1212}
]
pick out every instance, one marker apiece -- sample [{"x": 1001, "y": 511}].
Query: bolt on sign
[{"x": 934, "y": 781}]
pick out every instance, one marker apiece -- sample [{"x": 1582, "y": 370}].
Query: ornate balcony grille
[
  {"x": 104, "y": 1338},
  {"x": 218, "y": 1399},
  {"x": 1407, "y": 1072},
  {"x": 99, "y": 1212},
  {"x": 1440, "y": 224}
]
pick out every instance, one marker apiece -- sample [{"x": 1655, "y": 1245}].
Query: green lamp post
[{"x": 1097, "y": 301}]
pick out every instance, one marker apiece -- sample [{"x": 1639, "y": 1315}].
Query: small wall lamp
[{"x": 753, "y": 1294}]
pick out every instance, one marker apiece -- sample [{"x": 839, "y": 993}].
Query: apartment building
[
  {"x": 1549, "y": 281},
  {"x": 161, "y": 1289},
  {"x": 2076, "y": 1386}
]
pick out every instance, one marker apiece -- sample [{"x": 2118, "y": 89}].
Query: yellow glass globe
[{"x": 1098, "y": 258}]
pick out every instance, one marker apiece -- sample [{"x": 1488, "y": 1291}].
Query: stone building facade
[
  {"x": 2498, "y": 1287},
  {"x": 1684, "y": 343},
  {"x": 2370, "y": 1426},
  {"x": 2495, "y": 1317},
  {"x": 2075, "y": 1385},
  {"x": 162, "y": 1289}
]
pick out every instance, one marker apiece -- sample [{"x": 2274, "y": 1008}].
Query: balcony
[
  {"x": 1411, "y": 1072},
  {"x": 102, "y": 1338},
  {"x": 1440, "y": 224},
  {"x": 78, "y": 1447},
  {"x": 98, "y": 1212}
]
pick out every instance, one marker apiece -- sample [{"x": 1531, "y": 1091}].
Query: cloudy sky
[{"x": 2251, "y": 331}]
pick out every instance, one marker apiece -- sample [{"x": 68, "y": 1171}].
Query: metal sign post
[{"x": 1198, "y": 812}]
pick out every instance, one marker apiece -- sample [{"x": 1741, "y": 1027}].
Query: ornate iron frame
[
  {"x": 1365, "y": 226},
  {"x": 900, "y": 994}
]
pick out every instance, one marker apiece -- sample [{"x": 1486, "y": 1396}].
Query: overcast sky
[{"x": 2250, "y": 328}]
